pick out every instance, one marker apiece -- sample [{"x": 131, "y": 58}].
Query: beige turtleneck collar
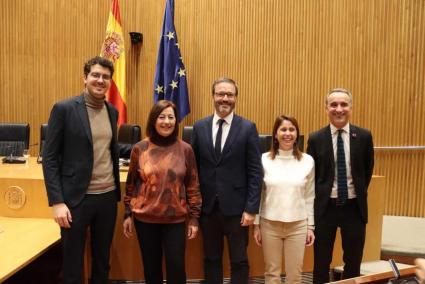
[{"x": 93, "y": 102}]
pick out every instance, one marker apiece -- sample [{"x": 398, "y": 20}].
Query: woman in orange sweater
[{"x": 162, "y": 192}]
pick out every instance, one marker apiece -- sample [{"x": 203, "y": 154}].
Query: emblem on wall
[
  {"x": 15, "y": 197},
  {"x": 112, "y": 46}
]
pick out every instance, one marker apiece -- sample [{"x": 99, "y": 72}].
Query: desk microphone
[
  {"x": 11, "y": 159},
  {"x": 398, "y": 279}
]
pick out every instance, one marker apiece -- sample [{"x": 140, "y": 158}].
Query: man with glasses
[
  {"x": 80, "y": 166},
  {"x": 227, "y": 150}
]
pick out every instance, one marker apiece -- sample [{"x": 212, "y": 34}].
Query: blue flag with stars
[{"x": 170, "y": 76}]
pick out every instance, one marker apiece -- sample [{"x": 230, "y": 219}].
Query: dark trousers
[
  {"x": 97, "y": 211},
  {"x": 214, "y": 227},
  {"x": 353, "y": 229},
  {"x": 154, "y": 239}
]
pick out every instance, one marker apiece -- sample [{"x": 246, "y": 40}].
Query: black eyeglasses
[{"x": 222, "y": 95}]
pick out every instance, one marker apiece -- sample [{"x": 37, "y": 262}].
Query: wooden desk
[
  {"x": 22, "y": 240},
  {"x": 382, "y": 277},
  {"x": 29, "y": 179},
  {"x": 27, "y": 230}
]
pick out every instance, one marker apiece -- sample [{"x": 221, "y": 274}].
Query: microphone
[
  {"x": 11, "y": 158},
  {"x": 394, "y": 268},
  {"x": 398, "y": 279},
  {"x": 11, "y": 151}
]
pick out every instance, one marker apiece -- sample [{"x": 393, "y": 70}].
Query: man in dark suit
[
  {"x": 343, "y": 155},
  {"x": 227, "y": 150},
  {"x": 80, "y": 166}
]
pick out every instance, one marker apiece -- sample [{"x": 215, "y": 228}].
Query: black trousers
[
  {"x": 97, "y": 212},
  {"x": 353, "y": 229},
  {"x": 214, "y": 227},
  {"x": 156, "y": 239}
]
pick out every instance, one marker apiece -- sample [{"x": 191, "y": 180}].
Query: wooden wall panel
[
  {"x": 405, "y": 183},
  {"x": 285, "y": 56}
]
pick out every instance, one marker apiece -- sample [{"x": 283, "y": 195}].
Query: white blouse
[{"x": 288, "y": 191}]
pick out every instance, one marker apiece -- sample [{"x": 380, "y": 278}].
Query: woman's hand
[
  {"x": 192, "y": 228},
  {"x": 257, "y": 235},
  {"x": 128, "y": 227},
  {"x": 310, "y": 237}
]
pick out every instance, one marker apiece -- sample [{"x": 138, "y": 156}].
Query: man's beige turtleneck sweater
[{"x": 102, "y": 179}]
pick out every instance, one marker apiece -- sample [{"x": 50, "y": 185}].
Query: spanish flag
[{"x": 113, "y": 49}]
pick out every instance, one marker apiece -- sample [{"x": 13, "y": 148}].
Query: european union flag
[{"x": 170, "y": 76}]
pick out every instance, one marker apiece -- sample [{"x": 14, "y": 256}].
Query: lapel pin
[{"x": 354, "y": 135}]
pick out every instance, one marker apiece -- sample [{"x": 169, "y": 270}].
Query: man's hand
[
  {"x": 247, "y": 219},
  {"x": 62, "y": 215},
  {"x": 128, "y": 227}
]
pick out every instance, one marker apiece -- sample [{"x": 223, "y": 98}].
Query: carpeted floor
[{"x": 307, "y": 279}]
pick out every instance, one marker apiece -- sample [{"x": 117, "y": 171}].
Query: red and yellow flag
[{"x": 113, "y": 49}]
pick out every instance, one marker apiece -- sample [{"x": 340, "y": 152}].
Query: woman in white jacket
[{"x": 285, "y": 223}]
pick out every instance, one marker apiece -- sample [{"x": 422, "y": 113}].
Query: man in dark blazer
[
  {"x": 80, "y": 166},
  {"x": 227, "y": 151},
  {"x": 343, "y": 155}
]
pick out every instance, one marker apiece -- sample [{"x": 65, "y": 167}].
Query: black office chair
[
  {"x": 301, "y": 143},
  {"x": 43, "y": 135},
  {"x": 265, "y": 142},
  {"x": 128, "y": 135},
  {"x": 14, "y": 138},
  {"x": 187, "y": 134}
]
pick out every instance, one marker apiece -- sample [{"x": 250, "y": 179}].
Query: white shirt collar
[
  {"x": 346, "y": 128},
  {"x": 228, "y": 119}
]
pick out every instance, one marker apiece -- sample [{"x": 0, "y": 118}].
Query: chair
[
  {"x": 14, "y": 138},
  {"x": 128, "y": 135},
  {"x": 265, "y": 142},
  {"x": 43, "y": 134},
  {"x": 301, "y": 143},
  {"x": 187, "y": 134}
]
